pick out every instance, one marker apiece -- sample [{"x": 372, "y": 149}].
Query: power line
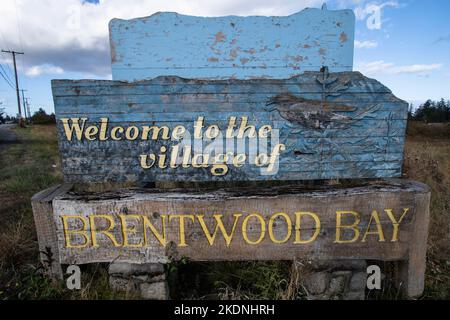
[
  {"x": 6, "y": 63},
  {"x": 11, "y": 73},
  {"x": 5, "y": 43},
  {"x": 18, "y": 25},
  {"x": 6, "y": 80},
  {"x": 6, "y": 74},
  {"x": 4, "y": 71},
  {"x": 19, "y": 30},
  {"x": 17, "y": 79}
]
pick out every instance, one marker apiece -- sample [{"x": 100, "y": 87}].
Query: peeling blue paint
[{"x": 231, "y": 47}]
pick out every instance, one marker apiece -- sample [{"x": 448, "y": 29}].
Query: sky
[{"x": 405, "y": 44}]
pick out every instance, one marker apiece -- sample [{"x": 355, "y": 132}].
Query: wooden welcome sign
[
  {"x": 313, "y": 126},
  {"x": 233, "y": 99},
  {"x": 278, "y": 115}
]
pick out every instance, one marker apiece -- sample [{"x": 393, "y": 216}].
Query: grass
[
  {"x": 27, "y": 167},
  {"x": 232, "y": 281},
  {"x": 33, "y": 165},
  {"x": 427, "y": 159}
]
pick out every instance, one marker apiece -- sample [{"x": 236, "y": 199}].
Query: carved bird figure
[{"x": 312, "y": 114}]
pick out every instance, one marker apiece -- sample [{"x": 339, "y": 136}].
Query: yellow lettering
[
  {"x": 231, "y": 125},
  {"x": 239, "y": 160},
  {"x": 178, "y": 132},
  {"x": 219, "y": 226},
  {"x": 144, "y": 160},
  {"x": 114, "y": 131},
  {"x": 174, "y": 156},
  {"x": 264, "y": 131},
  {"x": 90, "y": 133},
  {"x": 68, "y": 130},
  {"x": 274, "y": 155},
  {"x": 212, "y": 132},
  {"x": 262, "y": 230},
  {"x": 395, "y": 223},
  {"x": 298, "y": 220},
  {"x": 162, "y": 158},
  {"x": 379, "y": 232},
  {"x": 288, "y": 227},
  {"x": 103, "y": 128},
  {"x": 132, "y": 133},
  {"x": 181, "y": 226},
  {"x": 244, "y": 127},
  {"x": 126, "y": 229},
  {"x": 198, "y": 125},
  {"x": 106, "y": 232},
  {"x": 82, "y": 232},
  {"x": 155, "y": 132},
  {"x": 160, "y": 236},
  {"x": 196, "y": 163},
  {"x": 353, "y": 226}
]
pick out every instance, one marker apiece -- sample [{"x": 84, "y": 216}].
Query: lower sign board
[
  {"x": 318, "y": 125},
  {"x": 281, "y": 222},
  {"x": 379, "y": 221}
]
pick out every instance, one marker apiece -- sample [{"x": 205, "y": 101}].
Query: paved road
[{"x": 7, "y": 136}]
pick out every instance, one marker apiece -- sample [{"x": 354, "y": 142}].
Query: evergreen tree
[{"x": 432, "y": 111}]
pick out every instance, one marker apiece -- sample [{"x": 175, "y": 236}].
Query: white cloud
[
  {"x": 382, "y": 67},
  {"x": 35, "y": 71},
  {"x": 366, "y": 44},
  {"x": 74, "y": 35}
]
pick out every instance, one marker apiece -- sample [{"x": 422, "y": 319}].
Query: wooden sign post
[{"x": 259, "y": 103}]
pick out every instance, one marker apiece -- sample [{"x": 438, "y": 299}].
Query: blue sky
[{"x": 408, "y": 49}]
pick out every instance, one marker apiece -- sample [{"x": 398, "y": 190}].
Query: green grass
[{"x": 27, "y": 167}]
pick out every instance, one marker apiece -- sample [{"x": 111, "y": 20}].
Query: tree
[
  {"x": 41, "y": 117},
  {"x": 432, "y": 111},
  {"x": 2, "y": 112}
]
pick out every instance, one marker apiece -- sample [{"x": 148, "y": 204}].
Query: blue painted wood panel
[
  {"x": 334, "y": 125},
  {"x": 168, "y": 43}
]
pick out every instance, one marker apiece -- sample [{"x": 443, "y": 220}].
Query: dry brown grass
[{"x": 427, "y": 159}]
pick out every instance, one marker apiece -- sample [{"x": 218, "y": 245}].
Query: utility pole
[
  {"x": 23, "y": 103},
  {"x": 17, "y": 80},
  {"x": 28, "y": 108}
]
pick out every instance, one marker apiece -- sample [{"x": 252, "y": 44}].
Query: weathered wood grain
[
  {"x": 397, "y": 195},
  {"x": 45, "y": 229},
  {"x": 231, "y": 47},
  {"x": 368, "y": 143},
  {"x": 411, "y": 271}
]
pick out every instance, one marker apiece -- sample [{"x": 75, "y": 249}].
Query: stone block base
[
  {"x": 147, "y": 281},
  {"x": 332, "y": 280}
]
